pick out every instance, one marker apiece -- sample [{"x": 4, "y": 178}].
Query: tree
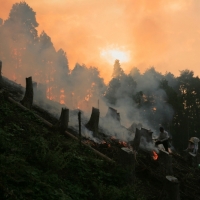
[
  {"x": 135, "y": 73},
  {"x": 22, "y": 22},
  {"x": 19, "y": 36},
  {"x": 117, "y": 71},
  {"x": 111, "y": 92},
  {"x": 187, "y": 109},
  {"x": 62, "y": 61}
]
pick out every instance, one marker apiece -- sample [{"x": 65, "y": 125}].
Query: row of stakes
[{"x": 171, "y": 183}]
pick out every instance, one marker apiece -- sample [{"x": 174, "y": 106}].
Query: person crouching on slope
[{"x": 163, "y": 138}]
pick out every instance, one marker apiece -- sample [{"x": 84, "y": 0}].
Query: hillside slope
[{"x": 38, "y": 163}]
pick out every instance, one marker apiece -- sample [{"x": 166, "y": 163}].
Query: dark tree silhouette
[
  {"x": 117, "y": 70},
  {"x": 22, "y": 22},
  {"x": 111, "y": 92}
]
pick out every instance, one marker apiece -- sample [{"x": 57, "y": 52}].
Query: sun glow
[{"x": 110, "y": 55}]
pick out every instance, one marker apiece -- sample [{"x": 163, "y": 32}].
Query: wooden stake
[
  {"x": 172, "y": 188},
  {"x": 27, "y": 101},
  {"x": 62, "y": 123},
  {"x": 93, "y": 124},
  {"x": 136, "y": 141},
  {"x": 64, "y": 119}
]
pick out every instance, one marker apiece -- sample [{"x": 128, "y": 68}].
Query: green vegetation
[{"x": 37, "y": 163}]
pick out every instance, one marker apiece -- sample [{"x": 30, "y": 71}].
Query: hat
[
  {"x": 191, "y": 140},
  {"x": 194, "y": 140}
]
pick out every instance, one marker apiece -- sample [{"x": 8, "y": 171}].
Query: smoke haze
[
  {"x": 159, "y": 33},
  {"x": 151, "y": 33}
]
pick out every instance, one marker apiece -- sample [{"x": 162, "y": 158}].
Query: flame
[
  {"x": 62, "y": 96},
  {"x": 49, "y": 93},
  {"x": 155, "y": 155},
  {"x": 87, "y": 97},
  {"x": 154, "y": 109},
  {"x": 123, "y": 143}
]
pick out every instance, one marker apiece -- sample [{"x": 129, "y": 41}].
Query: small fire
[
  {"x": 154, "y": 109},
  {"x": 49, "y": 94},
  {"x": 87, "y": 97},
  {"x": 62, "y": 96},
  {"x": 123, "y": 143},
  {"x": 155, "y": 155}
]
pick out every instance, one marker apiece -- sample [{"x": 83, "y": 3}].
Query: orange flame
[
  {"x": 49, "y": 93},
  {"x": 123, "y": 143},
  {"x": 87, "y": 97},
  {"x": 155, "y": 155},
  {"x": 62, "y": 96}
]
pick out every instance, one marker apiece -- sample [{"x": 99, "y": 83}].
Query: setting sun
[{"x": 110, "y": 55}]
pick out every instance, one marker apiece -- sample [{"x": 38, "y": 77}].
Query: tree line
[{"x": 150, "y": 98}]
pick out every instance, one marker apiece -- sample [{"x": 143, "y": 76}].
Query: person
[
  {"x": 163, "y": 138},
  {"x": 193, "y": 145}
]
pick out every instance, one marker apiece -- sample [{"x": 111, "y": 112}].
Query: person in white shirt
[
  {"x": 193, "y": 145},
  {"x": 163, "y": 139}
]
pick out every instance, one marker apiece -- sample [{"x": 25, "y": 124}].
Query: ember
[
  {"x": 155, "y": 155},
  {"x": 62, "y": 96},
  {"x": 123, "y": 143}
]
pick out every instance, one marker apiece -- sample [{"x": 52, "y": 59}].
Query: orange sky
[{"x": 160, "y": 33}]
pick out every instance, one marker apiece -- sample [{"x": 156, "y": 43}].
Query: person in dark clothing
[{"x": 163, "y": 139}]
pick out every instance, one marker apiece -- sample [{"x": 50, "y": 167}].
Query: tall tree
[
  {"x": 111, "y": 93},
  {"x": 20, "y": 35},
  {"x": 117, "y": 70},
  {"x": 22, "y": 23}
]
